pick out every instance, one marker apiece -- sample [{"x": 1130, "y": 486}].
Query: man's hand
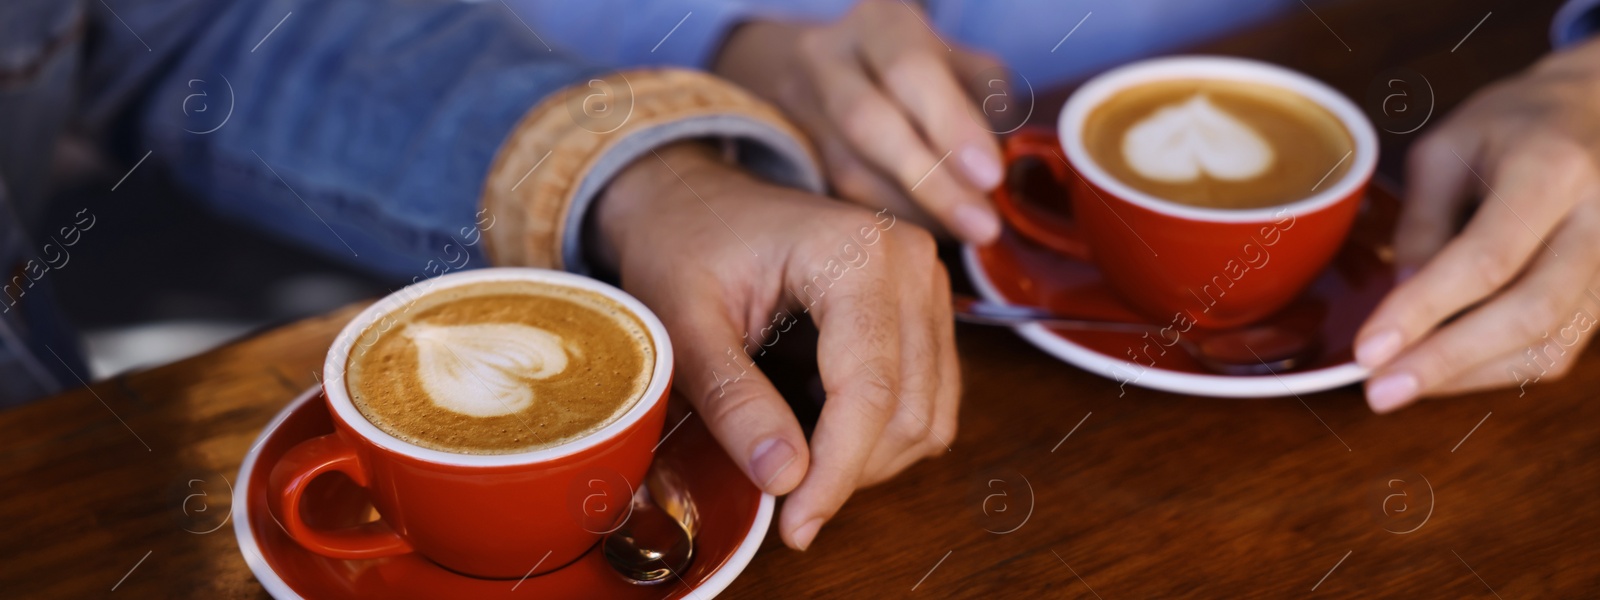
[
  {"x": 729, "y": 263},
  {"x": 1525, "y": 272},
  {"x": 885, "y": 100}
]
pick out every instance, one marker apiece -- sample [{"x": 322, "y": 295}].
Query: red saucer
[
  {"x": 735, "y": 513},
  {"x": 1017, "y": 271}
]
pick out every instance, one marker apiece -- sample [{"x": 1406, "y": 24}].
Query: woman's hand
[
  {"x": 1512, "y": 298},
  {"x": 887, "y": 103},
  {"x": 729, "y": 263}
]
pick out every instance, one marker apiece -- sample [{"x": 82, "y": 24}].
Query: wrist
[{"x": 666, "y": 179}]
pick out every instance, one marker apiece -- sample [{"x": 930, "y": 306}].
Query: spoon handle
[
  {"x": 672, "y": 495},
  {"x": 983, "y": 312}
]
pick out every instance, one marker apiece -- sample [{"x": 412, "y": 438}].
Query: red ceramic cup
[
  {"x": 1191, "y": 265},
  {"x": 487, "y": 515}
]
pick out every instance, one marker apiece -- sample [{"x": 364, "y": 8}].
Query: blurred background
[{"x": 159, "y": 279}]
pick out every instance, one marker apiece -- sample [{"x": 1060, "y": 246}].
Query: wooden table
[{"x": 1147, "y": 495}]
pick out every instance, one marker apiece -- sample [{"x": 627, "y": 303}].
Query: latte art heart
[
  {"x": 1182, "y": 141},
  {"x": 482, "y": 370}
]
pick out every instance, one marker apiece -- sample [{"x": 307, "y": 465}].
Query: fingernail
[
  {"x": 1391, "y": 391},
  {"x": 807, "y": 532},
  {"x": 1378, "y": 349},
  {"x": 981, "y": 167},
  {"x": 1404, "y": 273},
  {"x": 975, "y": 223},
  {"x": 769, "y": 460}
]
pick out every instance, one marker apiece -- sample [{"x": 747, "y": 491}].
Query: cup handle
[
  {"x": 1051, "y": 229},
  {"x": 287, "y": 484}
]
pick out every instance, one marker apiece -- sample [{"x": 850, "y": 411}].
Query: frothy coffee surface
[
  {"x": 1218, "y": 144},
  {"x": 500, "y": 367}
]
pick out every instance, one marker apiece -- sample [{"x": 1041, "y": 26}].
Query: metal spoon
[
  {"x": 657, "y": 540},
  {"x": 1254, "y": 350}
]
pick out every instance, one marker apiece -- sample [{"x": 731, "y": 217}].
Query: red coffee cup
[
  {"x": 1213, "y": 267},
  {"x": 487, "y": 515}
]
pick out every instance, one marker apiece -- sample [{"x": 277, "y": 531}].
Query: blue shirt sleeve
[
  {"x": 1031, "y": 36},
  {"x": 684, "y": 33},
  {"x": 1575, "y": 22}
]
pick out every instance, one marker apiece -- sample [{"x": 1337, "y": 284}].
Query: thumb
[{"x": 741, "y": 407}]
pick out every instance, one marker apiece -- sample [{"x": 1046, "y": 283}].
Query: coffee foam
[
  {"x": 480, "y": 370},
  {"x": 1217, "y": 143},
  {"x": 1182, "y": 141},
  {"x": 500, "y": 367}
]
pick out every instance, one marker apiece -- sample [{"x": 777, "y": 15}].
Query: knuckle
[
  {"x": 1552, "y": 150},
  {"x": 872, "y": 292},
  {"x": 918, "y": 396},
  {"x": 1434, "y": 365},
  {"x": 862, "y": 117},
  {"x": 916, "y": 243},
  {"x": 911, "y": 67},
  {"x": 1562, "y": 162},
  {"x": 875, "y": 396},
  {"x": 723, "y": 407},
  {"x": 853, "y": 180},
  {"x": 815, "y": 44},
  {"x": 1533, "y": 322},
  {"x": 843, "y": 218},
  {"x": 1494, "y": 268},
  {"x": 905, "y": 431},
  {"x": 870, "y": 382}
]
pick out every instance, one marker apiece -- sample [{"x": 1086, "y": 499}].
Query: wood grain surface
[{"x": 122, "y": 488}]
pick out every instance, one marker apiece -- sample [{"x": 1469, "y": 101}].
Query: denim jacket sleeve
[
  {"x": 364, "y": 129},
  {"x": 361, "y": 129}
]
